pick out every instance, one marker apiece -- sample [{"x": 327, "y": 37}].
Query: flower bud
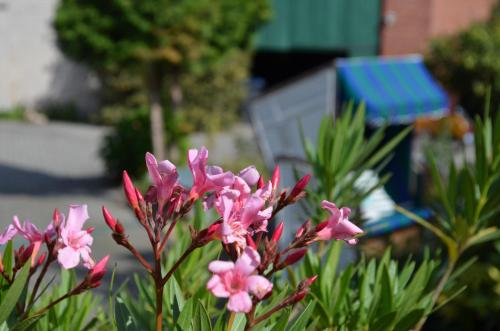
[
  {"x": 320, "y": 226},
  {"x": 139, "y": 196},
  {"x": 260, "y": 182},
  {"x": 110, "y": 220},
  {"x": 56, "y": 217},
  {"x": 26, "y": 254},
  {"x": 46, "y": 237},
  {"x": 275, "y": 179},
  {"x": 250, "y": 242},
  {"x": 308, "y": 282},
  {"x": 41, "y": 259},
  {"x": 277, "y": 233},
  {"x": 129, "y": 190},
  {"x": 304, "y": 228},
  {"x": 97, "y": 272},
  {"x": 299, "y": 187},
  {"x": 293, "y": 257},
  {"x": 119, "y": 228},
  {"x": 208, "y": 234},
  {"x": 298, "y": 296}
]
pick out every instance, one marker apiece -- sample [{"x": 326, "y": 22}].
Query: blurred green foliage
[
  {"x": 212, "y": 98},
  {"x": 468, "y": 63},
  {"x": 13, "y": 114},
  {"x": 126, "y": 35},
  {"x": 202, "y": 45},
  {"x": 342, "y": 154},
  {"x": 127, "y": 143},
  {"x": 75, "y": 313},
  {"x": 370, "y": 294}
]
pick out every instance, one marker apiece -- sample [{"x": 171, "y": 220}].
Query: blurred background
[{"x": 87, "y": 87}]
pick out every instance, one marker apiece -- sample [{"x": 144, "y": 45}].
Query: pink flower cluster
[
  {"x": 246, "y": 204},
  {"x": 71, "y": 242},
  {"x": 65, "y": 241}
]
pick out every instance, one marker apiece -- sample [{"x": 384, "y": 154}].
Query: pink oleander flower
[
  {"x": 237, "y": 281},
  {"x": 28, "y": 231},
  {"x": 338, "y": 225},
  {"x": 241, "y": 216},
  {"x": 9, "y": 233},
  {"x": 164, "y": 176},
  {"x": 250, "y": 175},
  {"x": 206, "y": 178},
  {"x": 76, "y": 241}
]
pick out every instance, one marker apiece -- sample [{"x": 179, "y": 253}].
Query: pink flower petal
[
  {"x": 259, "y": 285},
  {"x": 9, "y": 233},
  {"x": 252, "y": 206},
  {"x": 152, "y": 166},
  {"x": 220, "y": 266},
  {"x": 250, "y": 175},
  {"x": 217, "y": 288},
  {"x": 77, "y": 216},
  {"x": 240, "y": 302},
  {"x": 248, "y": 261},
  {"x": 68, "y": 257}
]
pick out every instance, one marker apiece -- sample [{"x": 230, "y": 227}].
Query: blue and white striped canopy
[{"x": 397, "y": 90}]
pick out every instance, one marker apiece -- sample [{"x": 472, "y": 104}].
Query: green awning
[{"x": 322, "y": 25}]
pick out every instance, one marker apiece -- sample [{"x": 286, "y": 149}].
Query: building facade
[{"x": 33, "y": 73}]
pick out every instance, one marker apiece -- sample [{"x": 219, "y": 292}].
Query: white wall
[{"x": 32, "y": 70}]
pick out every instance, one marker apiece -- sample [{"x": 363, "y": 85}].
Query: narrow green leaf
[
  {"x": 384, "y": 322},
  {"x": 483, "y": 236},
  {"x": 450, "y": 298},
  {"x": 27, "y": 324},
  {"x": 239, "y": 323},
  {"x": 329, "y": 270},
  {"x": 302, "y": 319},
  {"x": 201, "y": 319},
  {"x": 280, "y": 325},
  {"x": 448, "y": 241},
  {"x": 8, "y": 258},
  {"x": 409, "y": 320},
  {"x": 124, "y": 318},
  {"x": 14, "y": 293},
  {"x": 186, "y": 316}
]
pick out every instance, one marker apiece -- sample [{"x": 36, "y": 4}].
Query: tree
[
  {"x": 468, "y": 63},
  {"x": 158, "y": 40}
]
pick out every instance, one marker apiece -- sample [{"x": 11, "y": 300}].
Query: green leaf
[
  {"x": 450, "y": 298},
  {"x": 14, "y": 293},
  {"x": 384, "y": 322},
  {"x": 7, "y": 259},
  {"x": 239, "y": 323},
  {"x": 186, "y": 316},
  {"x": 280, "y": 325},
  {"x": 409, "y": 320},
  {"x": 124, "y": 318},
  {"x": 27, "y": 324},
  {"x": 303, "y": 318},
  {"x": 329, "y": 270},
  {"x": 201, "y": 320},
  {"x": 343, "y": 285},
  {"x": 386, "y": 291},
  {"x": 485, "y": 235},
  {"x": 448, "y": 241},
  {"x": 219, "y": 325}
]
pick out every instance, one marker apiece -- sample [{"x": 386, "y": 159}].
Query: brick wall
[{"x": 410, "y": 24}]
